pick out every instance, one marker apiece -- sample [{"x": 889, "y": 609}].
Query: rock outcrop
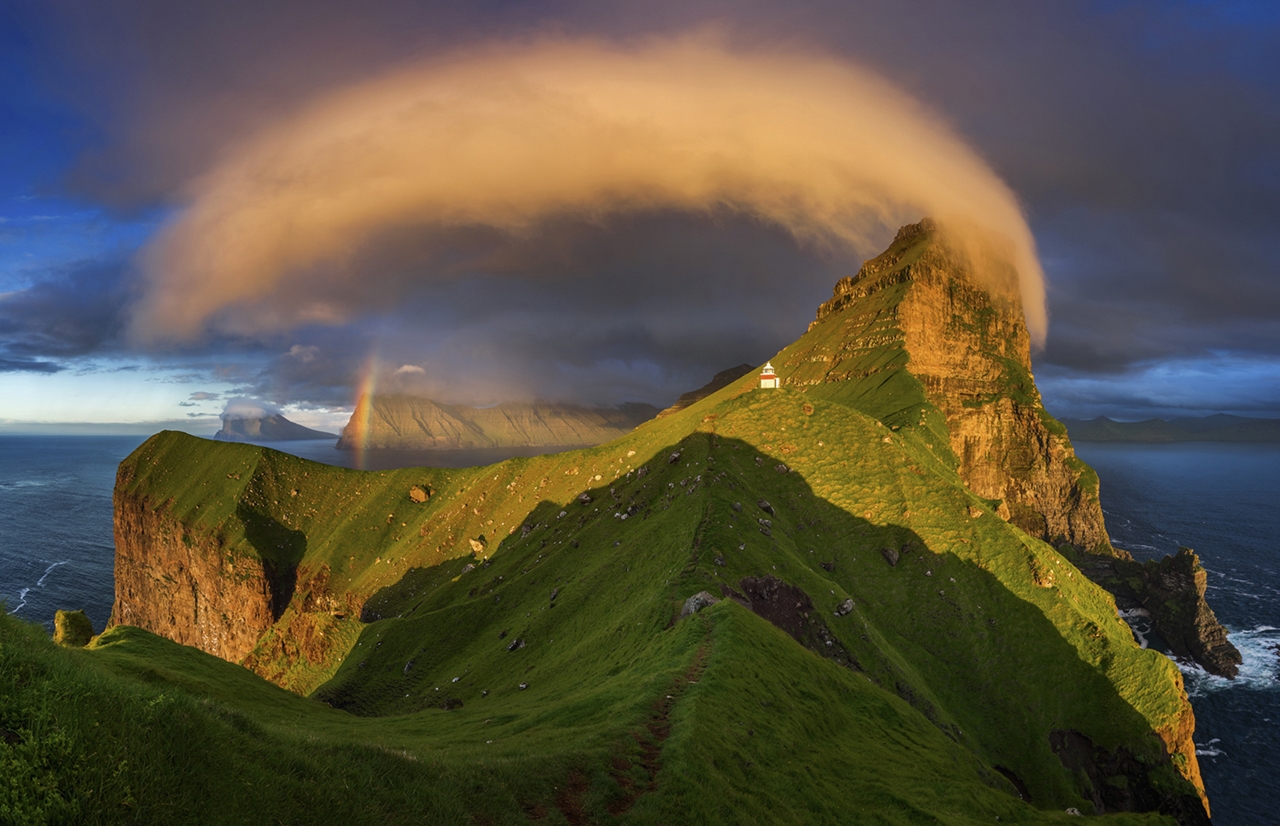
[
  {"x": 412, "y": 423},
  {"x": 1118, "y": 782},
  {"x": 926, "y": 312},
  {"x": 1172, "y": 592},
  {"x": 72, "y": 629}
]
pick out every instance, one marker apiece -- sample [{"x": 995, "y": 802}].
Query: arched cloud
[{"x": 508, "y": 137}]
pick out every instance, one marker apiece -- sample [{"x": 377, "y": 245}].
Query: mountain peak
[
  {"x": 266, "y": 428},
  {"x": 920, "y": 339}
]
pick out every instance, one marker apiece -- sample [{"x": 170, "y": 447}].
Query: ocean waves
[
  {"x": 23, "y": 592},
  {"x": 1259, "y": 671}
]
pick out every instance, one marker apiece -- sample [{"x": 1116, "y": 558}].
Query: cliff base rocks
[{"x": 1172, "y": 591}]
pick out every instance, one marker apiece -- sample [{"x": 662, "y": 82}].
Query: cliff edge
[{"x": 919, "y": 327}]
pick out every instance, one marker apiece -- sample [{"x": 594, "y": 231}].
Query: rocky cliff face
[
  {"x": 922, "y": 309},
  {"x": 185, "y": 586},
  {"x": 411, "y": 423},
  {"x": 1172, "y": 591}
]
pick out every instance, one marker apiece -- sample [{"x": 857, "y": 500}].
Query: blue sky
[{"x": 1143, "y": 140}]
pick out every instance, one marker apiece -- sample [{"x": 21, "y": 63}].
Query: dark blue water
[
  {"x": 1223, "y": 501},
  {"x": 56, "y": 548}
]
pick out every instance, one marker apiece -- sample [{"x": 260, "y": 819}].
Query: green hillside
[
  {"x": 509, "y": 643},
  {"x": 950, "y": 664}
]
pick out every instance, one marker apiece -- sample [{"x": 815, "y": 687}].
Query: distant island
[
  {"x": 1219, "y": 428},
  {"x": 410, "y": 423},
  {"x": 267, "y": 428}
]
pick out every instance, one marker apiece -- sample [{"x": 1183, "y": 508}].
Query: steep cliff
[
  {"x": 176, "y": 580},
  {"x": 921, "y": 327},
  {"x": 412, "y": 423},
  {"x": 184, "y": 587}
]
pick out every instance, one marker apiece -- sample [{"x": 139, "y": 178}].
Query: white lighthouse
[{"x": 767, "y": 377}]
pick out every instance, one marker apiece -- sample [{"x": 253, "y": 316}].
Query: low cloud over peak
[
  {"x": 306, "y": 223},
  {"x": 246, "y": 408}
]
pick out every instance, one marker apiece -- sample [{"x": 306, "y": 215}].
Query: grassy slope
[
  {"x": 966, "y": 663},
  {"x": 770, "y": 730}
]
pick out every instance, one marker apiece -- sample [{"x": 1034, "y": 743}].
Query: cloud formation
[
  {"x": 1144, "y": 140},
  {"x": 286, "y": 231},
  {"x": 73, "y": 311},
  {"x": 246, "y": 408}
]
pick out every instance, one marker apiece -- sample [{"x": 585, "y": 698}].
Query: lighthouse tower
[{"x": 767, "y": 377}]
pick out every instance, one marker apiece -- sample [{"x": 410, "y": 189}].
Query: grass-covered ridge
[
  {"x": 962, "y": 648},
  {"x": 505, "y": 643}
]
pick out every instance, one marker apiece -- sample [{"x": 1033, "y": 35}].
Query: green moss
[{"x": 72, "y": 629}]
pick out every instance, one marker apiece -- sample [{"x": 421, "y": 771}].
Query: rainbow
[{"x": 365, "y": 387}]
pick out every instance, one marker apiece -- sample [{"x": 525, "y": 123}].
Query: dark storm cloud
[
  {"x": 75, "y": 311},
  {"x": 1143, "y": 138},
  {"x": 642, "y": 310},
  {"x": 8, "y": 365}
]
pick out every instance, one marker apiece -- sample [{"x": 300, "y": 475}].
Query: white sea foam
[
  {"x": 22, "y": 592},
  {"x": 49, "y": 570},
  {"x": 16, "y": 484},
  {"x": 1210, "y": 749},
  {"x": 1259, "y": 671},
  {"x": 1139, "y": 620},
  {"x": 22, "y": 600}
]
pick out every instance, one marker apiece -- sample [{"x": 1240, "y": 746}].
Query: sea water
[
  {"x": 56, "y": 546},
  {"x": 1222, "y": 500}
]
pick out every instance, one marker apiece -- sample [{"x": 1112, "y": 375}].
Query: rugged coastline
[{"x": 875, "y": 530}]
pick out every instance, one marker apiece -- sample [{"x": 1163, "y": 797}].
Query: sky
[{"x": 205, "y": 205}]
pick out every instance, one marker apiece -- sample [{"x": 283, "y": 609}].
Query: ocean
[{"x": 1223, "y": 500}]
